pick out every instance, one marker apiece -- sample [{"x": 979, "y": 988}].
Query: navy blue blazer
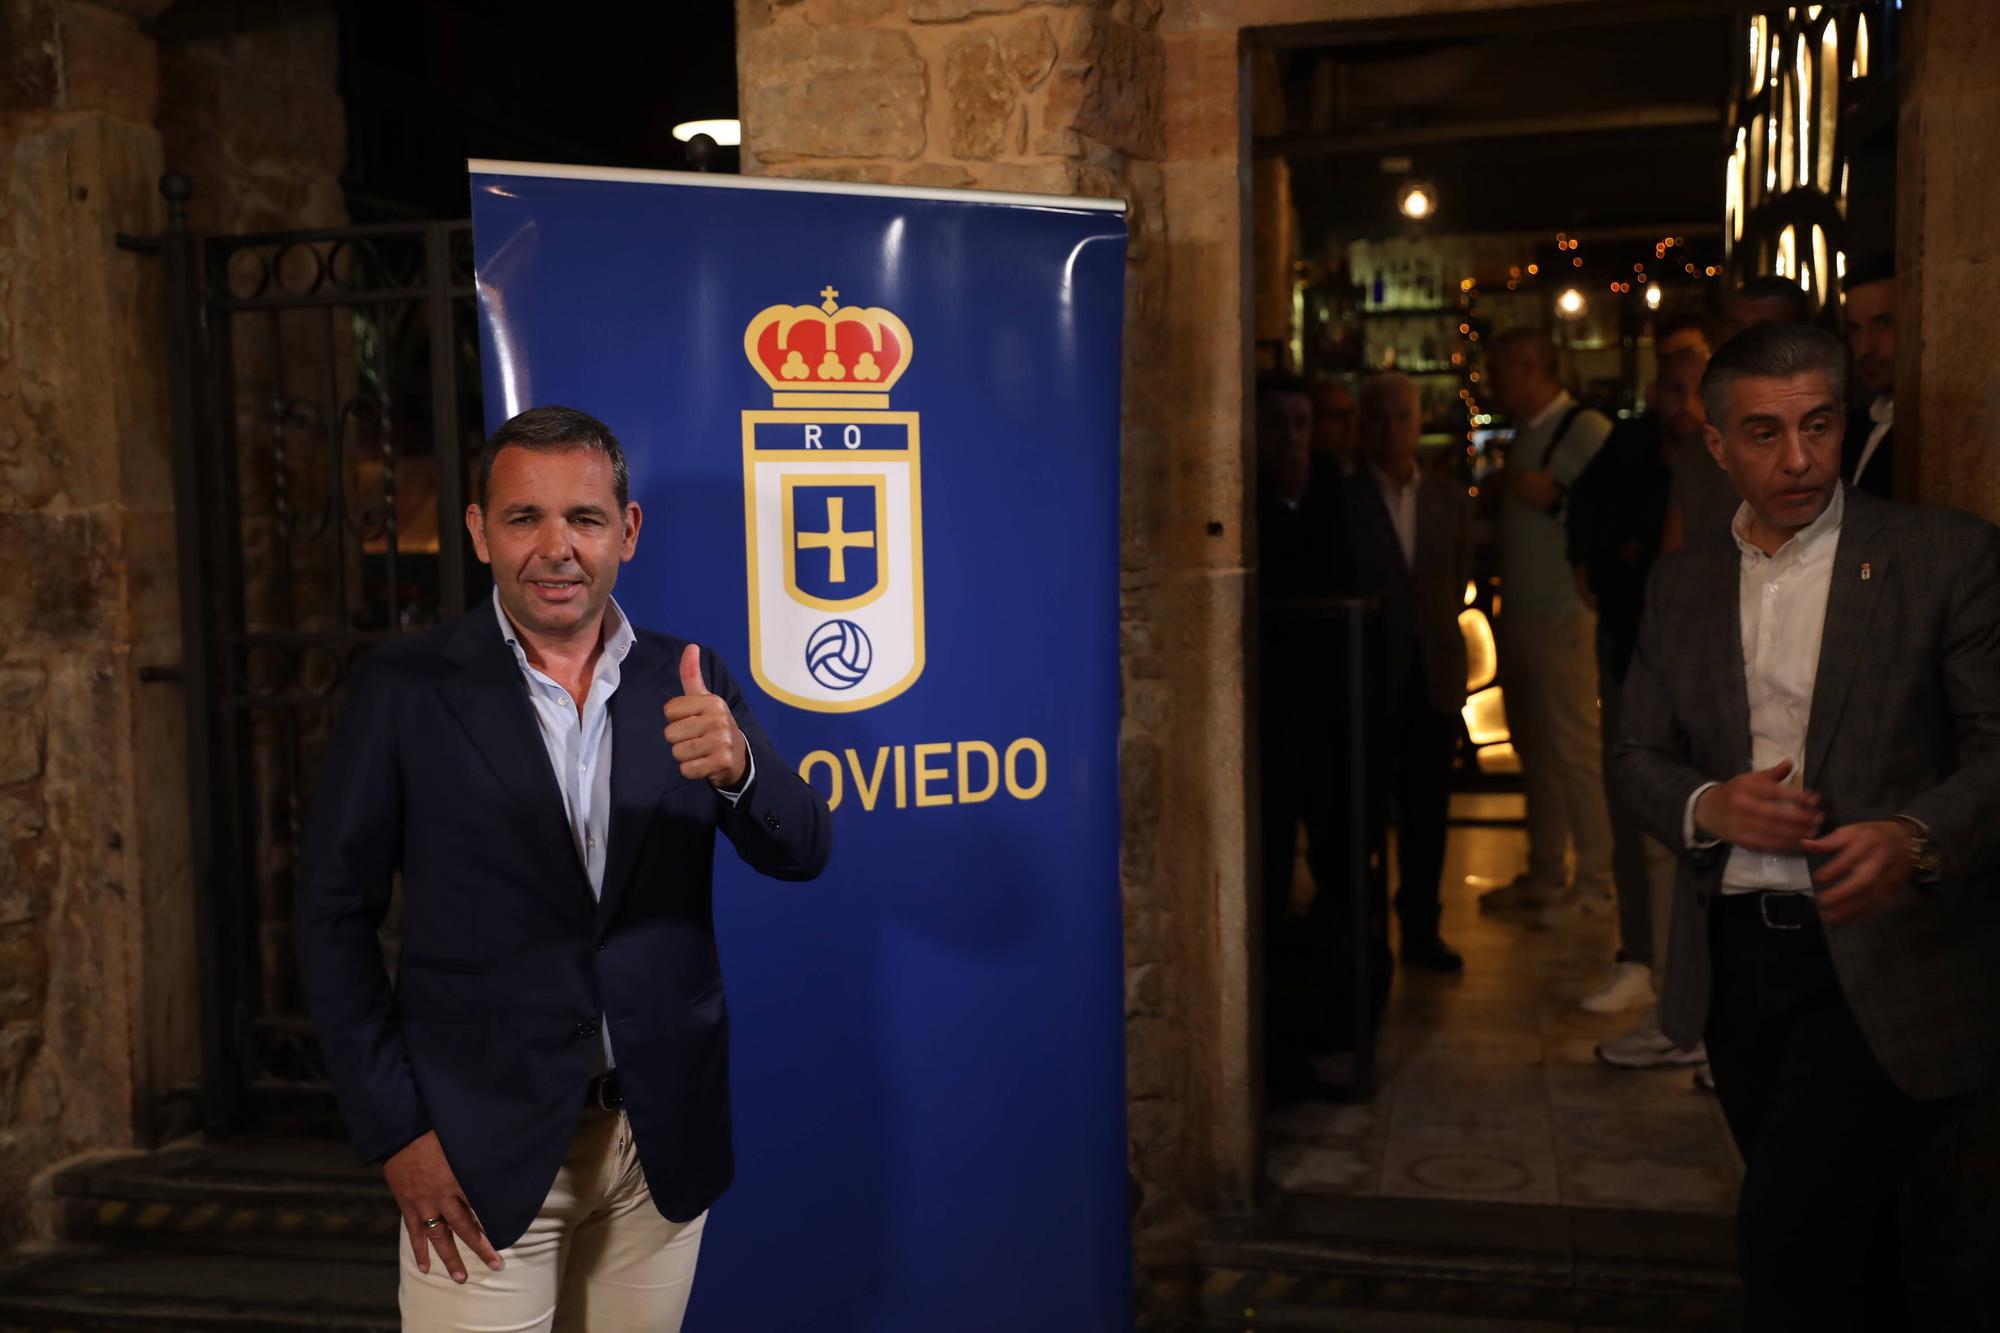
[{"x": 489, "y": 1034}]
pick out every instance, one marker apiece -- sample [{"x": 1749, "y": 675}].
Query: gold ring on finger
[{"x": 430, "y": 1222}]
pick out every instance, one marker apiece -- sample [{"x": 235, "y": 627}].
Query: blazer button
[
  {"x": 588, "y": 1029},
  {"x": 770, "y": 820}
]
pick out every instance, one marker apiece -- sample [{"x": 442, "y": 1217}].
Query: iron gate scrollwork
[{"x": 326, "y": 420}]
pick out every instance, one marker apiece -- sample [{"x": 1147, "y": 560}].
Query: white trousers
[
  {"x": 1548, "y": 666},
  {"x": 598, "y": 1258}
]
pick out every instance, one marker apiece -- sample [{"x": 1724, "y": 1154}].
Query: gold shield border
[
  {"x": 837, "y": 416},
  {"x": 876, "y": 481}
]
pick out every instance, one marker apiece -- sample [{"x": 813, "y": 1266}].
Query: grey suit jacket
[
  {"x": 1419, "y": 604},
  {"x": 1905, "y": 720}
]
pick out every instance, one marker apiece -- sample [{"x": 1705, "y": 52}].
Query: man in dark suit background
[
  {"x": 1813, "y": 721},
  {"x": 1409, "y": 541},
  {"x": 546, "y": 1083},
  {"x": 1869, "y": 313}
]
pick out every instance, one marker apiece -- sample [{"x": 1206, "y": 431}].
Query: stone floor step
[
  {"x": 258, "y": 1196},
  {"x": 92, "y": 1289},
  {"x": 1383, "y": 1264}
]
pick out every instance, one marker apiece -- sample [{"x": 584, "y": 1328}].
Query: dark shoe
[{"x": 1432, "y": 953}]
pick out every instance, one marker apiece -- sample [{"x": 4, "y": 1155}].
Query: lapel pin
[{"x": 1865, "y": 571}]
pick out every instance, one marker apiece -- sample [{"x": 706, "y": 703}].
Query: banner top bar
[{"x": 558, "y": 171}]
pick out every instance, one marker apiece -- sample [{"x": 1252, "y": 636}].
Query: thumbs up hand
[{"x": 703, "y": 732}]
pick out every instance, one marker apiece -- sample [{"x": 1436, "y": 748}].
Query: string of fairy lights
[{"x": 1669, "y": 253}]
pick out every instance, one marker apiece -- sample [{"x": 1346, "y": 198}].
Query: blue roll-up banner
[{"x": 874, "y": 434}]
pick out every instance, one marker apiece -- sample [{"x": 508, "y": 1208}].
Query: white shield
[{"x": 834, "y": 546}]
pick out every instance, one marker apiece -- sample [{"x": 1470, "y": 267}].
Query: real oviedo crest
[{"x": 832, "y": 509}]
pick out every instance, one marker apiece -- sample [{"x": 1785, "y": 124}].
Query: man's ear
[
  {"x": 475, "y": 524},
  {"x": 633, "y": 518},
  {"x": 1714, "y": 440}
]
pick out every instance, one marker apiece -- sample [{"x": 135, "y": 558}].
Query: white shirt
[
  {"x": 1535, "y": 572},
  {"x": 1882, "y": 412},
  {"x": 578, "y": 742},
  {"x": 1401, "y": 499},
  {"x": 1781, "y": 604}
]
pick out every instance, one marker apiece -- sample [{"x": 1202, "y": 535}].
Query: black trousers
[
  {"x": 1419, "y": 752},
  {"x": 1826, "y": 1138}
]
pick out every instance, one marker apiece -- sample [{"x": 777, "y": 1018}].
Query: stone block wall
[{"x": 98, "y": 1012}]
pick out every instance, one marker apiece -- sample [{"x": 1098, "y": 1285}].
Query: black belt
[
  {"x": 604, "y": 1092},
  {"x": 1776, "y": 910}
]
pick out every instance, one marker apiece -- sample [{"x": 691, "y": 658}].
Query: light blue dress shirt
[{"x": 579, "y": 745}]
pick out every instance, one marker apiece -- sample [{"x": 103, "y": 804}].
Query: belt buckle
[
  {"x": 1764, "y": 910},
  {"x": 603, "y": 1085}
]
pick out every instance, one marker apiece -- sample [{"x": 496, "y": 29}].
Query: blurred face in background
[
  {"x": 1518, "y": 378},
  {"x": 1390, "y": 424},
  {"x": 1284, "y": 442},
  {"x": 1871, "y": 336},
  {"x": 1749, "y": 311},
  {"x": 1333, "y": 421},
  {"x": 1677, "y": 394}
]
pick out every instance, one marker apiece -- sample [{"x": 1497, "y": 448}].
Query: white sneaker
[
  {"x": 1646, "y": 1047},
  {"x": 1628, "y": 984},
  {"x": 1523, "y": 891}
]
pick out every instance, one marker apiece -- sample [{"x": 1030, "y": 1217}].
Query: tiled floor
[{"x": 1488, "y": 1085}]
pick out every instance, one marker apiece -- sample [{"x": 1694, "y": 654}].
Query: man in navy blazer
[{"x": 546, "y": 1080}]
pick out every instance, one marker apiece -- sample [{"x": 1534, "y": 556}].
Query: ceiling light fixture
[
  {"x": 726, "y": 133},
  {"x": 1418, "y": 200}
]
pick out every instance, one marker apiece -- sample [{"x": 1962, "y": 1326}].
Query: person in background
[
  {"x": 1703, "y": 502},
  {"x": 1812, "y": 720},
  {"x": 1617, "y": 513},
  {"x": 1870, "y": 315},
  {"x": 1333, "y": 410},
  {"x": 1548, "y": 664},
  {"x": 1298, "y": 560},
  {"x": 1409, "y": 542},
  {"x": 1769, "y": 299}
]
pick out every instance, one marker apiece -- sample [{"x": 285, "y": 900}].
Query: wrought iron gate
[{"x": 325, "y": 418}]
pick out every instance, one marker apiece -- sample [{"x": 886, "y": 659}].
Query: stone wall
[
  {"x": 98, "y": 1015},
  {"x": 86, "y": 525}
]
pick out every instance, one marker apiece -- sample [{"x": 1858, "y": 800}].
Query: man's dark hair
[
  {"x": 1277, "y": 383},
  {"x": 1667, "y": 328},
  {"x": 1771, "y": 287},
  {"x": 1771, "y": 351},
  {"x": 1875, "y": 266},
  {"x": 554, "y": 430}
]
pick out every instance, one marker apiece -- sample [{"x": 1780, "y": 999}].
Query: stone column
[
  {"x": 95, "y": 842},
  {"x": 1948, "y": 196}
]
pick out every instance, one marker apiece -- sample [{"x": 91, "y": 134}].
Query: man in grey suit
[
  {"x": 1813, "y": 721},
  {"x": 1410, "y": 543}
]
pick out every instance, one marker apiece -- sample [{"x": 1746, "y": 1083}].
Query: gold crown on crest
[{"x": 828, "y": 348}]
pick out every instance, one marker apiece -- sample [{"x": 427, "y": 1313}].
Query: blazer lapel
[
  {"x": 1850, "y": 609},
  {"x": 490, "y": 700},
  {"x": 1724, "y": 651},
  {"x": 642, "y": 766}
]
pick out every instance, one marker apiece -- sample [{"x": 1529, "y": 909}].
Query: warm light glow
[
  {"x": 1418, "y": 200},
  {"x": 1652, "y": 298},
  {"x": 1788, "y": 145},
  {"x": 1829, "y": 101},
  {"x": 1471, "y": 587},
  {"x": 1533, "y": 269},
  {"x": 1757, "y": 34},
  {"x": 1771, "y": 150},
  {"x": 1570, "y": 304},
  {"x": 1485, "y": 716},
  {"x": 1819, "y": 261},
  {"x": 1840, "y": 264},
  {"x": 1497, "y": 759},
  {"x": 1787, "y": 263},
  {"x": 727, "y": 133},
  {"x": 1482, "y": 659},
  {"x": 1861, "y": 48},
  {"x": 1803, "y": 81}
]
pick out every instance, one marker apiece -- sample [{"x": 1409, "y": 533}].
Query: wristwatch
[{"x": 1923, "y": 852}]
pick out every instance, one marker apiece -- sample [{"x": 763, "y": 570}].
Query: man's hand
[
  {"x": 1759, "y": 812},
  {"x": 703, "y": 732},
  {"x": 425, "y": 1188},
  {"x": 1536, "y": 488},
  {"x": 1870, "y": 863}
]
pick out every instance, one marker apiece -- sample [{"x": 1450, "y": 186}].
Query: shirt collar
[
  {"x": 1882, "y": 411},
  {"x": 1547, "y": 414},
  {"x": 618, "y": 635},
  {"x": 1392, "y": 487},
  {"x": 1806, "y": 540}
]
